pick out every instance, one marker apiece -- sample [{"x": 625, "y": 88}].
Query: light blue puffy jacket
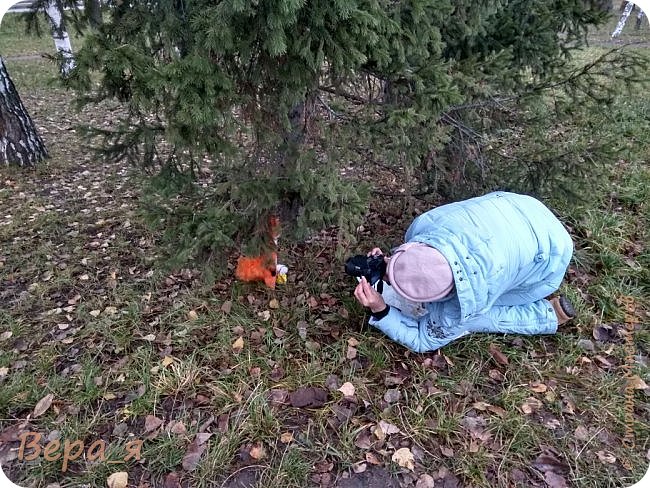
[{"x": 507, "y": 252}]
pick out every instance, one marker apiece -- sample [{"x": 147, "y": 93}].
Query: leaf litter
[{"x": 92, "y": 209}]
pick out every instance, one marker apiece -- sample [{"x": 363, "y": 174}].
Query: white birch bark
[
  {"x": 54, "y": 12},
  {"x": 19, "y": 142},
  {"x": 623, "y": 19}
]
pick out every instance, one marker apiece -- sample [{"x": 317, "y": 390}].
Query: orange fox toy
[
  {"x": 259, "y": 268},
  {"x": 264, "y": 267}
]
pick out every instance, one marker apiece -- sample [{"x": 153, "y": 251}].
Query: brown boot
[{"x": 563, "y": 309}]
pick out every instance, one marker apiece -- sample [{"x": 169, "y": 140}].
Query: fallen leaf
[
  {"x": 265, "y": 315},
  {"x": 277, "y": 373},
  {"x": 404, "y": 458},
  {"x": 332, "y": 382},
  {"x": 43, "y": 405},
  {"x": 302, "y": 329},
  {"x": 636, "y": 383},
  {"x": 518, "y": 477},
  {"x": 118, "y": 480},
  {"x": 192, "y": 315},
  {"x": 549, "y": 460},
  {"x": 109, "y": 396},
  {"x": 379, "y": 434},
  {"x": 238, "y": 345},
  {"x": 6, "y": 335},
  {"x": 496, "y": 375},
  {"x": 581, "y": 433},
  {"x": 227, "y": 306},
  {"x": 392, "y": 395},
  {"x": 172, "y": 480},
  {"x": 222, "y": 422},
  {"x": 425, "y": 481},
  {"x": 604, "y": 361},
  {"x": 352, "y": 342},
  {"x": 359, "y": 467},
  {"x": 95, "y": 313},
  {"x": 498, "y": 356},
  {"x": 347, "y": 389},
  {"x": 286, "y": 437},
  {"x": 606, "y": 333},
  {"x": 194, "y": 452},
  {"x": 278, "y": 397},
  {"x": 149, "y": 337},
  {"x": 372, "y": 458},
  {"x": 324, "y": 466},
  {"x": 568, "y": 406},
  {"x": 538, "y": 387},
  {"x": 476, "y": 426},
  {"x": 447, "y": 451},
  {"x": 554, "y": 480},
  {"x": 606, "y": 457},
  {"x": 274, "y": 303},
  {"x": 474, "y": 446},
  {"x": 151, "y": 423},
  {"x": 308, "y": 397},
  {"x": 110, "y": 310},
  {"x": 481, "y": 406},
  {"x": 167, "y": 360},
  {"x": 257, "y": 451},
  {"x": 551, "y": 423},
  {"x": 363, "y": 440},
  {"x": 4, "y": 371},
  {"x": 497, "y": 410},
  {"x": 530, "y": 405},
  {"x": 352, "y": 352},
  {"x": 388, "y": 428},
  {"x": 178, "y": 428}
]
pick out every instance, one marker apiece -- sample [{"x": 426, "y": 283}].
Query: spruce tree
[{"x": 278, "y": 97}]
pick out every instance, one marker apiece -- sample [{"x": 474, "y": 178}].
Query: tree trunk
[
  {"x": 54, "y": 12},
  {"x": 639, "y": 19},
  {"x": 621, "y": 22},
  {"x": 93, "y": 10},
  {"x": 19, "y": 142}
]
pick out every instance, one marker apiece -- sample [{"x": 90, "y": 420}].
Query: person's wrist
[{"x": 380, "y": 314}]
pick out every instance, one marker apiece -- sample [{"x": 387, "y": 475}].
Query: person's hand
[
  {"x": 375, "y": 252},
  {"x": 367, "y": 296},
  {"x": 378, "y": 252}
]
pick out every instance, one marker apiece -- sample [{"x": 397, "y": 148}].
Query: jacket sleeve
[{"x": 414, "y": 334}]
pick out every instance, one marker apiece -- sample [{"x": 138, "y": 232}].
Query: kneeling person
[{"x": 485, "y": 264}]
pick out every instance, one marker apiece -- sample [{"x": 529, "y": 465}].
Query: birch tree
[
  {"x": 19, "y": 142},
  {"x": 54, "y": 13}
]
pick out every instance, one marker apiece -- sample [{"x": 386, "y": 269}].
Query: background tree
[
  {"x": 19, "y": 142},
  {"x": 58, "y": 13},
  {"x": 55, "y": 15},
  {"x": 93, "y": 12},
  {"x": 268, "y": 102}
]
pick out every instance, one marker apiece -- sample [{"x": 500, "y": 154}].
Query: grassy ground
[{"x": 128, "y": 351}]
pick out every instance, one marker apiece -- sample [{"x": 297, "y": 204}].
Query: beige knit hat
[{"x": 420, "y": 273}]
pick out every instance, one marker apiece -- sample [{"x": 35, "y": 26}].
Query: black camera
[{"x": 372, "y": 267}]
